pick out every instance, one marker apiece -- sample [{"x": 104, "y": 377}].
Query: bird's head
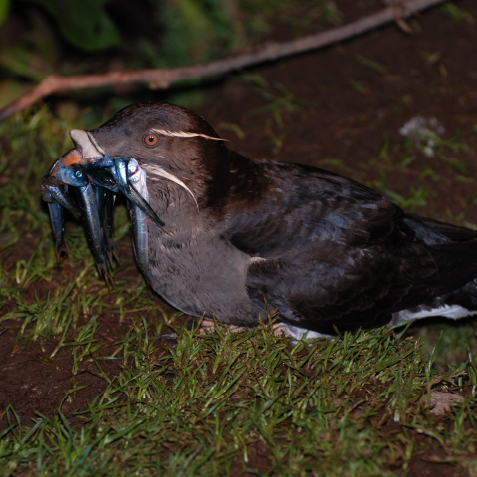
[{"x": 169, "y": 142}]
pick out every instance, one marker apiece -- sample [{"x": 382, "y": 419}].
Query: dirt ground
[
  {"x": 331, "y": 109},
  {"x": 334, "y": 120}
]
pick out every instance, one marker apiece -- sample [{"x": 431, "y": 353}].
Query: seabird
[{"x": 248, "y": 235}]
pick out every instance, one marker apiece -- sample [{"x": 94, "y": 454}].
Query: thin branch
[{"x": 162, "y": 78}]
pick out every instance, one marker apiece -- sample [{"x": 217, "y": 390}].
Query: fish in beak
[{"x": 96, "y": 178}]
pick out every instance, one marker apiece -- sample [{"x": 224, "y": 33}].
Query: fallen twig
[{"x": 162, "y": 78}]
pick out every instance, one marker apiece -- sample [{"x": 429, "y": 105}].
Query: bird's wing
[
  {"x": 432, "y": 231},
  {"x": 325, "y": 248},
  {"x": 286, "y": 210}
]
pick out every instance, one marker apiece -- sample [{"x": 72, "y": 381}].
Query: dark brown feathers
[{"x": 325, "y": 250}]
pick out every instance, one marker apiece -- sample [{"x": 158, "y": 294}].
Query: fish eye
[
  {"x": 150, "y": 140},
  {"x": 79, "y": 174}
]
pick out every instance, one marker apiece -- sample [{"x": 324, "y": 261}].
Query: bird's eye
[{"x": 150, "y": 140}]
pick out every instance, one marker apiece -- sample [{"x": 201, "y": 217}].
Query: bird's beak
[
  {"x": 87, "y": 146},
  {"x": 92, "y": 157},
  {"x": 86, "y": 152}
]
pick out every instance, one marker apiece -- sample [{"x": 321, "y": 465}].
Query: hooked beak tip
[{"x": 86, "y": 144}]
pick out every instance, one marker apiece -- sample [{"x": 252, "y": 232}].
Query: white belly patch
[{"x": 453, "y": 312}]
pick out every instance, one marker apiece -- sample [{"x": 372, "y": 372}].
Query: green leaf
[
  {"x": 10, "y": 90},
  {"x": 85, "y": 24},
  {"x": 22, "y": 62},
  {"x": 4, "y": 8}
]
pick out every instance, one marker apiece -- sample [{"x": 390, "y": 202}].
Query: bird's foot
[
  {"x": 208, "y": 326},
  {"x": 296, "y": 333}
]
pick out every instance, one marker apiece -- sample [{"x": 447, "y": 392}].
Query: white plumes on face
[
  {"x": 164, "y": 132},
  {"x": 158, "y": 171}
]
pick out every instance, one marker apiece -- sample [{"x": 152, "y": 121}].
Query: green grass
[
  {"x": 218, "y": 399},
  {"x": 280, "y": 102},
  {"x": 217, "y": 403},
  {"x": 449, "y": 161}
]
